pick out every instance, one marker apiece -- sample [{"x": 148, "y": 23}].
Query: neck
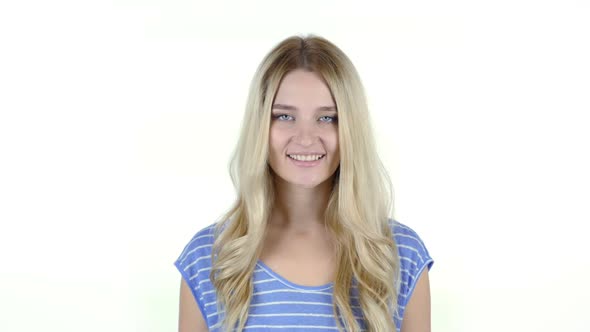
[{"x": 300, "y": 209}]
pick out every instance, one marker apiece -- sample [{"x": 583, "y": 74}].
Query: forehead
[{"x": 303, "y": 87}]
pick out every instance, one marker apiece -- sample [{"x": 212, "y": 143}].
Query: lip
[
  {"x": 306, "y": 153},
  {"x": 301, "y": 163}
]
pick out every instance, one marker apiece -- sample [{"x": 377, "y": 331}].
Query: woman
[{"x": 308, "y": 244}]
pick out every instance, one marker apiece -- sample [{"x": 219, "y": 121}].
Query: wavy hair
[{"x": 358, "y": 209}]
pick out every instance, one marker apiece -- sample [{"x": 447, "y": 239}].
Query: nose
[{"x": 306, "y": 133}]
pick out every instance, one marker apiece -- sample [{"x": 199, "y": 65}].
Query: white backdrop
[{"x": 118, "y": 118}]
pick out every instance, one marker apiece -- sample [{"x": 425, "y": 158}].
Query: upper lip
[{"x": 306, "y": 153}]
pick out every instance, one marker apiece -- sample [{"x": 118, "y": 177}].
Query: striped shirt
[{"x": 280, "y": 305}]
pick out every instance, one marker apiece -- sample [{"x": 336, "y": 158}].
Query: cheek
[
  {"x": 333, "y": 141},
  {"x": 275, "y": 140}
]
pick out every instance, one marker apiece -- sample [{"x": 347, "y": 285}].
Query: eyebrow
[{"x": 293, "y": 108}]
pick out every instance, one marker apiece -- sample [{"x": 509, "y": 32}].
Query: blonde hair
[{"x": 358, "y": 209}]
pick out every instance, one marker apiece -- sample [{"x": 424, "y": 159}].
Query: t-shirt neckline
[{"x": 277, "y": 276}]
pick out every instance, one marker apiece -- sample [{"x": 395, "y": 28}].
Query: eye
[
  {"x": 329, "y": 119},
  {"x": 282, "y": 117}
]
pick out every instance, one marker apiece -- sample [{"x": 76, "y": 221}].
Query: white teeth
[{"x": 306, "y": 158}]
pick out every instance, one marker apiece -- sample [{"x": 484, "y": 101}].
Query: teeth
[{"x": 305, "y": 158}]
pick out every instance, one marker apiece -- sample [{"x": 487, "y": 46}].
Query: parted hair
[{"x": 358, "y": 209}]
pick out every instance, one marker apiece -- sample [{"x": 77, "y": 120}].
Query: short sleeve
[
  {"x": 194, "y": 264},
  {"x": 414, "y": 258}
]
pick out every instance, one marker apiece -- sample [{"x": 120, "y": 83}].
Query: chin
[{"x": 307, "y": 184}]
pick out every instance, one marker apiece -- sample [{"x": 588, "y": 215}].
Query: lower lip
[{"x": 306, "y": 163}]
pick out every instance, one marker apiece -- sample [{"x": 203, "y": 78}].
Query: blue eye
[
  {"x": 282, "y": 117},
  {"x": 287, "y": 117},
  {"x": 330, "y": 118}
]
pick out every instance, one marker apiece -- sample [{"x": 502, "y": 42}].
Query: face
[{"x": 304, "y": 126}]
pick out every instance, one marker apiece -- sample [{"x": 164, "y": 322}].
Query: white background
[{"x": 118, "y": 118}]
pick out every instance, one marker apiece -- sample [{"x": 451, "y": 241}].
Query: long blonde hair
[{"x": 358, "y": 209}]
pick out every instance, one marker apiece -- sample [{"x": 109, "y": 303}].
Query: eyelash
[{"x": 333, "y": 118}]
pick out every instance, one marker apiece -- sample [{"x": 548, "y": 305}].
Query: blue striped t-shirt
[{"x": 280, "y": 305}]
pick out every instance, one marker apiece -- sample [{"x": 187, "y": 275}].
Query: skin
[
  {"x": 304, "y": 119},
  {"x": 417, "y": 314},
  {"x": 190, "y": 318},
  {"x": 301, "y": 123}
]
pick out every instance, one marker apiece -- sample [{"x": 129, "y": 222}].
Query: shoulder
[
  {"x": 202, "y": 237},
  {"x": 414, "y": 258},
  {"x": 195, "y": 258},
  {"x": 194, "y": 264},
  {"x": 409, "y": 243}
]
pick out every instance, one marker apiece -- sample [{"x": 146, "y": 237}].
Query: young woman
[{"x": 308, "y": 244}]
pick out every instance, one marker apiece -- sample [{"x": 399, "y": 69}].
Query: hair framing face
[{"x": 358, "y": 209}]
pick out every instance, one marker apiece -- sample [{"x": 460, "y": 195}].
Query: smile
[
  {"x": 307, "y": 161},
  {"x": 306, "y": 157}
]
